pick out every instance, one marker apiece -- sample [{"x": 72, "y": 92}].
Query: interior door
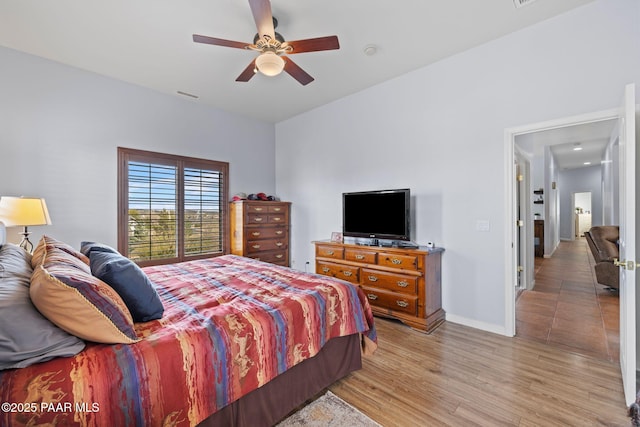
[{"x": 627, "y": 152}]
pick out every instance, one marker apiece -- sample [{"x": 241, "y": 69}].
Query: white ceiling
[
  {"x": 592, "y": 138},
  {"x": 149, "y": 42}
]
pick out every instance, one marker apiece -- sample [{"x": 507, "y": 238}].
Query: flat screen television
[{"x": 383, "y": 214}]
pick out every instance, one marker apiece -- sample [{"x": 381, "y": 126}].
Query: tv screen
[{"x": 376, "y": 214}]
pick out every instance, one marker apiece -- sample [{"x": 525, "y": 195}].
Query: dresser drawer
[
  {"x": 274, "y": 257},
  {"x": 330, "y": 252},
  {"x": 257, "y": 218},
  {"x": 339, "y": 271},
  {"x": 358, "y": 255},
  {"x": 267, "y": 233},
  {"x": 393, "y": 282},
  {"x": 398, "y": 261},
  {"x": 275, "y": 218},
  {"x": 392, "y": 301},
  {"x": 257, "y": 208},
  {"x": 265, "y": 245}
]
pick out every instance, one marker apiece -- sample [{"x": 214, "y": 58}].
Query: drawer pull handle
[
  {"x": 255, "y": 233},
  {"x": 373, "y": 279},
  {"x": 359, "y": 256},
  {"x": 277, "y": 209},
  {"x": 278, "y": 244},
  {"x": 258, "y": 219},
  {"x": 330, "y": 252},
  {"x": 277, "y": 218},
  {"x": 325, "y": 269},
  {"x": 396, "y": 261},
  {"x": 372, "y": 296},
  {"x": 279, "y": 232},
  {"x": 348, "y": 273},
  {"x": 257, "y": 209},
  {"x": 403, "y": 283},
  {"x": 279, "y": 256},
  {"x": 256, "y": 246},
  {"x": 402, "y": 304}
]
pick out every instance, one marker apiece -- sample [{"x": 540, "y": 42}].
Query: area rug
[{"x": 328, "y": 411}]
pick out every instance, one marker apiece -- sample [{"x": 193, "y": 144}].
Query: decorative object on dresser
[
  {"x": 260, "y": 230},
  {"x": 24, "y": 212},
  {"x": 403, "y": 284}
]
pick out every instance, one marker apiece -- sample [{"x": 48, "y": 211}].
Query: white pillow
[{"x": 3, "y": 234}]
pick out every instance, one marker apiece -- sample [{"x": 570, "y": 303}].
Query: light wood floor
[{"x": 462, "y": 376}]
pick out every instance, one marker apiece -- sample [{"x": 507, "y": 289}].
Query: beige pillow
[
  {"x": 80, "y": 303},
  {"x": 48, "y": 242}
]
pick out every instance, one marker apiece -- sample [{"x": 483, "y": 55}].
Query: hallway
[{"x": 567, "y": 308}]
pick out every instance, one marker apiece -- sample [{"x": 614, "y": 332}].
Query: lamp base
[{"x": 25, "y": 243}]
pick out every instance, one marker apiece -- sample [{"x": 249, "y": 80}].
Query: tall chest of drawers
[
  {"x": 260, "y": 230},
  {"x": 399, "y": 283}
]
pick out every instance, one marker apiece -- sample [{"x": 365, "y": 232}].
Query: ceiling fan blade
[
  {"x": 314, "y": 45},
  {"x": 248, "y": 72},
  {"x": 261, "y": 10},
  {"x": 296, "y": 72},
  {"x": 219, "y": 42}
]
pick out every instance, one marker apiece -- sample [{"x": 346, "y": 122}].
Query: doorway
[
  {"x": 624, "y": 136},
  {"x": 530, "y": 137},
  {"x": 583, "y": 219}
]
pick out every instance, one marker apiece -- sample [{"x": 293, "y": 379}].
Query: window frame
[{"x": 125, "y": 155}]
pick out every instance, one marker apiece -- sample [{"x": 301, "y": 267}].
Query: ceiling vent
[{"x": 520, "y": 3}]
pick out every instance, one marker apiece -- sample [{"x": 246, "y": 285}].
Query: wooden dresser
[
  {"x": 260, "y": 230},
  {"x": 403, "y": 284}
]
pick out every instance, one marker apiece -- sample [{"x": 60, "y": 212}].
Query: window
[{"x": 171, "y": 208}]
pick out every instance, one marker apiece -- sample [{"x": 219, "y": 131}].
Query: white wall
[
  {"x": 538, "y": 183},
  {"x": 551, "y": 203},
  {"x": 610, "y": 184},
  {"x": 440, "y": 131},
  {"x": 60, "y": 127}
]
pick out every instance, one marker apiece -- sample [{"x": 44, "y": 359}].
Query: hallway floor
[{"x": 567, "y": 307}]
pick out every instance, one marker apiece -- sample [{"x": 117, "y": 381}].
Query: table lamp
[{"x": 24, "y": 212}]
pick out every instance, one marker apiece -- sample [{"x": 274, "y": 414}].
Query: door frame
[
  {"x": 511, "y": 229},
  {"x": 525, "y": 236},
  {"x": 574, "y": 232}
]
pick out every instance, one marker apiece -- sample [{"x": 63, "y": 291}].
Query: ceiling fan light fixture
[{"x": 269, "y": 63}]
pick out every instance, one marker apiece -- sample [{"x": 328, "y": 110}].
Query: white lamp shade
[
  {"x": 23, "y": 211},
  {"x": 269, "y": 64}
]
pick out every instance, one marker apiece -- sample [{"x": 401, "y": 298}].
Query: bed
[{"x": 240, "y": 342}]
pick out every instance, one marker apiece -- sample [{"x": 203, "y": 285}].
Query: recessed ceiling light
[{"x": 370, "y": 49}]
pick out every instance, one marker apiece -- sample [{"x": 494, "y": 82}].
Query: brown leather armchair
[{"x": 603, "y": 241}]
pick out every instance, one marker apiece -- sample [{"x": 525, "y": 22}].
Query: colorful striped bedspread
[{"x": 231, "y": 324}]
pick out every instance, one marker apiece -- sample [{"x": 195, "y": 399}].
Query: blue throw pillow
[{"x": 130, "y": 282}]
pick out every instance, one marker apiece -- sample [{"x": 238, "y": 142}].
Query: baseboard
[
  {"x": 488, "y": 327},
  {"x": 552, "y": 252}
]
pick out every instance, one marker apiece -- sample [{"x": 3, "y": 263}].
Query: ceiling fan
[{"x": 272, "y": 46}]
